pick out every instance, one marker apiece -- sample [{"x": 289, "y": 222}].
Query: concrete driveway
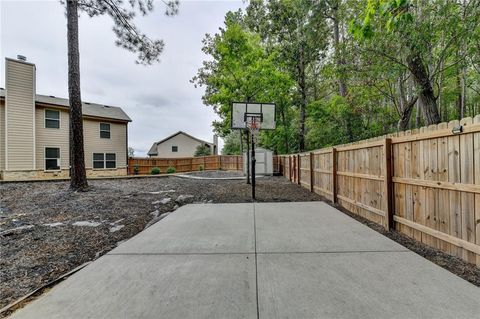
[{"x": 262, "y": 260}]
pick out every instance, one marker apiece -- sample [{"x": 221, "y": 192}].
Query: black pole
[
  {"x": 253, "y": 167},
  {"x": 248, "y": 157}
]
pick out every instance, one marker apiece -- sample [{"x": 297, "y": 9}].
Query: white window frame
[
  {"x": 45, "y": 118},
  {"x": 59, "y": 159},
  {"x": 109, "y": 130},
  {"x": 104, "y": 161}
]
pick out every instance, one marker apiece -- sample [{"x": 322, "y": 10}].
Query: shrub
[
  {"x": 136, "y": 168},
  {"x": 202, "y": 150},
  {"x": 155, "y": 171},
  {"x": 171, "y": 170},
  {"x": 201, "y": 168}
]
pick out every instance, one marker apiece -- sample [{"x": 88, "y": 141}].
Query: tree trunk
[
  {"x": 426, "y": 94},
  {"x": 342, "y": 86},
  {"x": 78, "y": 178},
  {"x": 405, "y": 107},
  {"x": 303, "y": 101}
]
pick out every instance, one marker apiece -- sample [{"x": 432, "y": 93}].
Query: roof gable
[{"x": 153, "y": 149}]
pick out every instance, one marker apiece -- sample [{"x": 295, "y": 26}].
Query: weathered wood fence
[
  {"x": 424, "y": 183},
  {"x": 185, "y": 164}
]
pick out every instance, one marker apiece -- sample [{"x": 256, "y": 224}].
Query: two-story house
[{"x": 34, "y": 131}]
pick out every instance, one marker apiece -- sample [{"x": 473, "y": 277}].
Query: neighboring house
[
  {"x": 180, "y": 144},
  {"x": 34, "y": 131}
]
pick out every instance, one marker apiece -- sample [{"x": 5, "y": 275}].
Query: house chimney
[
  {"x": 19, "y": 114},
  {"x": 215, "y": 144}
]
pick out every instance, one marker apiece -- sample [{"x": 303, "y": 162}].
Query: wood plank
[
  {"x": 361, "y": 205},
  {"x": 443, "y": 195},
  {"x": 323, "y": 171},
  {"x": 399, "y": 189},
  {"x": 323, "y": 190},
  {"x": 334, "y": 175},
  {"x": 362, "y": 176},
  {"x": 322, "y": 151},
  {"x": 299, "y": 165},
  {"x": 359, "y": 146},
  {"x": 435, "y": 134},
  {"x": 432, "y": 194},
  {"x": 388, "y": 186},
  {"x": 311, "y": 159},
  {"x": 476, "y": 167},
  {"x": 468, "y": 199},
  {"x": 408, "y": 188},
  {"x": 415, "y": 164},
  {"x": 468, "y": 188},
  {"x": 438, "y": 234}
]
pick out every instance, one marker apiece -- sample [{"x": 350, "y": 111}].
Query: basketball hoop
[
  {"x": 253, "y": 117},
  {"x": 253, "y": 124}
]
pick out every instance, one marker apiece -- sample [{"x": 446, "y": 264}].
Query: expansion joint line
[{"x": 256, "y": 265}]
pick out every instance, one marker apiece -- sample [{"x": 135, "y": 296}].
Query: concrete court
[{"x": 262, "y": 260}]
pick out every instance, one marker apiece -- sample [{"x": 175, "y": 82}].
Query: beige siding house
[
  {"x": 180, "y": 144},
  {"x": 34, "y": 131}
]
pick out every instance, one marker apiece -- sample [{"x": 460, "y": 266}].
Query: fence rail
[
  {"x": 186, "y": 164},
  {"x": 424, "y": 183}
]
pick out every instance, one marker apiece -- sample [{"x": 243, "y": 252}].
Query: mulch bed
[{"x": 47, "y": 230}]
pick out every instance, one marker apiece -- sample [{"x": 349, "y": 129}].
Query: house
[
  {"x": 34, "y": 131},
  {"x": 180, "y": 144}
]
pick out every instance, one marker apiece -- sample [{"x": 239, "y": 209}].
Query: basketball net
[{"x": 253, "y": 124}]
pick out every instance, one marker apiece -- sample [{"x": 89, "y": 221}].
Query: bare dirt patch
[{"x": 47, "y": 230}]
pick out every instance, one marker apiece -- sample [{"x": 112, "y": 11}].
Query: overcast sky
[{"x": 159, "y": 98}]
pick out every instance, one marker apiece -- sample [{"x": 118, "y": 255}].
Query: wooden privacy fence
[
  {"x": 185, "y": 164},
  {"x": 425, "y": 183}
]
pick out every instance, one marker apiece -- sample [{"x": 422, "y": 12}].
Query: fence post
[
  {"x": 311, "y": 172},
  {"x": 388, "y": 187},
  {"x": 334, "y": 175},
  {"x": 290, "y": 168},
  {"x": 298, "y": 169}
]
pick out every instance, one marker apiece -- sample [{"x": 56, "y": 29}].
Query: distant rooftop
[{"x": 88, "y": 109}]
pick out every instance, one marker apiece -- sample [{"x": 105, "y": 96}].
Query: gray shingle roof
[{"x": 88, "y": 109}]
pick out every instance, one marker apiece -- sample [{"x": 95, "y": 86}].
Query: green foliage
[
  {"x": 402, "y": 62},
  {"x": 201, "y": 168},
  {"x": 171, "y": 170},
  {"x": 136, "y": 168},
  {"x": 231, "y": 144},
  {"x": 155, "y": 171},
  {"x": 202, "y": 150}
]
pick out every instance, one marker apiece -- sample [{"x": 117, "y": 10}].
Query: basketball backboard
[{"x": 240, "y": 112}]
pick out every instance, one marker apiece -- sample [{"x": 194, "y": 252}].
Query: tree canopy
[{"x": 345, "y": 70}]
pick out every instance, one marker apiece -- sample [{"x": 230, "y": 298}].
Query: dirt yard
[{"x": 47, "y": 230}]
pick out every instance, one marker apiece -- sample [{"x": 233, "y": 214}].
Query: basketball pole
[
  {"x": 248, "y": 156},
  {"x": 253, "y": 167}
]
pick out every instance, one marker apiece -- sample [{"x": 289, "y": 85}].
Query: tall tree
[
  {"x": 128, "y": 37},
  {"x": 297, "y": 29}
]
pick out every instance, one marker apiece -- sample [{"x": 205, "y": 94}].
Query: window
[
  {"x": 52, "y": 118},
  {"x": 174, "y": 148},
  {"x": 52, "y": 158},
  {"x": 98, "y": 160},
  {"x": 110, "y": 160},
  {"x": 104, "y": 160},
  {"x": 104, "y": 130}
]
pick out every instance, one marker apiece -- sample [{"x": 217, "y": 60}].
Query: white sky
[{"x": 159, "y": 98}]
